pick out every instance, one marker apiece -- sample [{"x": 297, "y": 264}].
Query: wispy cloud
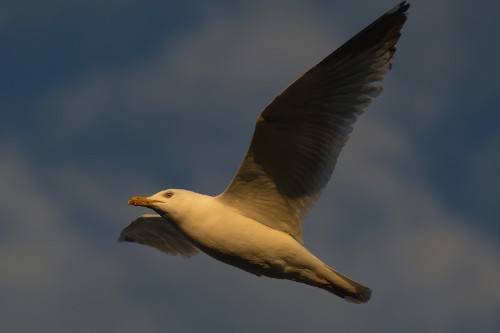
[{"x": 183, "y": 115}]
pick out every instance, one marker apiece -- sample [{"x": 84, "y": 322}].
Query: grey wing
[
  {"x": 299, "y": 136},
  {"x": 155, "y": 231}
]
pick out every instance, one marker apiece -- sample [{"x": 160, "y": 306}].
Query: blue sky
[{"x": 104, "y": 100}]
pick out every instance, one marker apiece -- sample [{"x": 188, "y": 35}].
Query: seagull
[{"x": 255, "y": 224}]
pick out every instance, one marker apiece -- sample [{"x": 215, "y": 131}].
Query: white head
[{"x": 168, "y": 203}]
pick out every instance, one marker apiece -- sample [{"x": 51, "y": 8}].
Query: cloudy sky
[{"x": 104, "y": 100}]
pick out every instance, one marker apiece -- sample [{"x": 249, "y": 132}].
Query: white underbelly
[{"x": 251, "y": 246}]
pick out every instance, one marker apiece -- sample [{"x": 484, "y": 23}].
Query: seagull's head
[{"x": 166, "y": 203}]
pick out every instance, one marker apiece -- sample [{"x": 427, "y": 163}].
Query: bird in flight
[{"x": 255, "y": 224}]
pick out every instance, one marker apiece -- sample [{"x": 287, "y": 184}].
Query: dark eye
[{"x": 168, "y": 194}]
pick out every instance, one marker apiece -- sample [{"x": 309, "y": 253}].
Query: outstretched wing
[
  {"x": 299, "y": 136},
  {"x": 157, "y": 232}
]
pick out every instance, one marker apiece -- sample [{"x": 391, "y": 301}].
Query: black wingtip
[
  {"x": 387, "y": 28},
  {"x": 402, "y": 8},
  {"x": 396, "y": 16},
  {"x": 124, "y": 238}
]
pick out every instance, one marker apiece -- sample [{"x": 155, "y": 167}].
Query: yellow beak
[{"x": 141, "y": 201}]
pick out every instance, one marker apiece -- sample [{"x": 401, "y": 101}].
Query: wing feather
[
  {"x": 299, "y": 136},
  {"x": 155, "y": 231}
]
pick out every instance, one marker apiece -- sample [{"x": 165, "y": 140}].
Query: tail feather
[{"x": 347, "y": 288}]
